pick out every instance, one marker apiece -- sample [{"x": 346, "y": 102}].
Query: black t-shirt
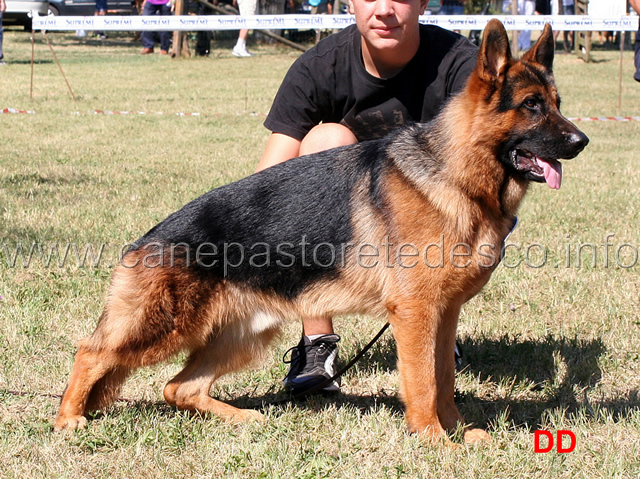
[{"x": 329, "y": 83}]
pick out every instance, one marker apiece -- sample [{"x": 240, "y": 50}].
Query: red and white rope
[
  {"x": 141, "y": 113},
  {"x": 114, "y": 112},
  {"x": 607, "y": 118},
  {"x": 8, "y": 111}
]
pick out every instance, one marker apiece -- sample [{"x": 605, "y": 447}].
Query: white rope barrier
[{"x": 291, "y": 22}]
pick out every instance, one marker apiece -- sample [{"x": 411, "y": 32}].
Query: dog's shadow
[{"x": 533, "y": 377}]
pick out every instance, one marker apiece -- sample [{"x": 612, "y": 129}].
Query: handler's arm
[
  {"x": 279, "y": 148},
  {"x": 636, "y": 5}
]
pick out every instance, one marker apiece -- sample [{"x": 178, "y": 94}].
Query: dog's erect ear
[
  {"x": 543, "y": 50},
  {"x": 494, "y": 52}
]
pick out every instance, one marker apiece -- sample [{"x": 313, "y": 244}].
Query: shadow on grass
[
  {"x": 533, "y": 360},
  {"x": 554, "y": 373},
  {"x": 28, "y": 62},
  {"x": 557, "y": 371}
]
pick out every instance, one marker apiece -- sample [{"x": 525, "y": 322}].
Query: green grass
[{"x": 554, "y": 346}]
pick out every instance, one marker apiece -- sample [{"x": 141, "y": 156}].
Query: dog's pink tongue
[{"x": 552, "y": 172}]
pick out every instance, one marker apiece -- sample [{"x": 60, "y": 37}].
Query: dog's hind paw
[
  {"x": 476, "y": 436},
  {"x": 69, "y": 423},
  {"x": 246, "y": 415}
]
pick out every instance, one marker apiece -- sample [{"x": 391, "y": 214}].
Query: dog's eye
[{"x": 531, "y": 103}]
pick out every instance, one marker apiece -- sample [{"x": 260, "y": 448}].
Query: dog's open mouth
[{"x": 538, "y": 169}]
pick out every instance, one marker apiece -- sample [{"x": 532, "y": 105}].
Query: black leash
[
  {"x": 293, "y": 397},
  {"x": 326, "y": 382}
]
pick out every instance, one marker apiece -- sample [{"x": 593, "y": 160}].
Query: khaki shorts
[{"x": 248, "y": 7}]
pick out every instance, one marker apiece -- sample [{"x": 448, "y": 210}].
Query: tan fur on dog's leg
[
  {"x": 230, "y": 351},
  {"x": 448, "y": 412},
  {"x": 189, "y": 391},
  {"x": 426, "y": 343},
  {"x": 415, "y": 338},
  {"x": 447, "y": 324},
  {"x": 88, "y": 369}
]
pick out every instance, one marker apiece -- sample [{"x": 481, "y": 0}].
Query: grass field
[{"x": 552, "y": 342}]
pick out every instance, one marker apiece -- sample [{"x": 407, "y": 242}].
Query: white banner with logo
[{"x": 295, "y": 22}]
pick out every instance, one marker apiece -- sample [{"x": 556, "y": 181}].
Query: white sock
[
  {"x": 241, "y": 44},
  {"x": 315, "y": 336}
]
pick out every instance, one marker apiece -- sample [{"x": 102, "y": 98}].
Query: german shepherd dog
[{"x": 406, "y": 228}]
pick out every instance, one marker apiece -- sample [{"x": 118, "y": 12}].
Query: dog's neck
[
  {"x": 447, "y": 173},
  {"x": 471, "y": 154}
]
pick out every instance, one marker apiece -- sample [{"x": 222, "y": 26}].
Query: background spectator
[
  {"x": 543, "y": 7},
  {"x": 525, "y": 7},
  {"x": 568, "y": 8},
  {"x": 320, "y": 7},
  {"x": 451, "y": 7},
  {"x": 636, "y": 6},
  {"x": 3, "y": 7},
  {"x": 156, "y": 7},
  {"x": 246, "y": 7},
  {"x": 101, "y": 10}
]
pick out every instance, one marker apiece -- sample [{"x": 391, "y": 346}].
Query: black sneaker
[{"x": 312, "y": 362}]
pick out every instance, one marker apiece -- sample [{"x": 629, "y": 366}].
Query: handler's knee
[{"x": 326, "y": 136}]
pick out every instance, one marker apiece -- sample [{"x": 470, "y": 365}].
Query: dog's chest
[{"x": 489, "y": 246}]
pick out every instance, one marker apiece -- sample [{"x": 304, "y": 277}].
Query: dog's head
[{"x": 534, "y": 134}]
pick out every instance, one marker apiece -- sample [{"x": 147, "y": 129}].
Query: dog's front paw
[
  {"x": 475, "y": 436},
  {"x": 69, "y": 423}
]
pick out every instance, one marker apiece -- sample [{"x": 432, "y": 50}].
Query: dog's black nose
[
  {"x": 578, "y": 140},
  {"x": 574, "y": 142}
]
